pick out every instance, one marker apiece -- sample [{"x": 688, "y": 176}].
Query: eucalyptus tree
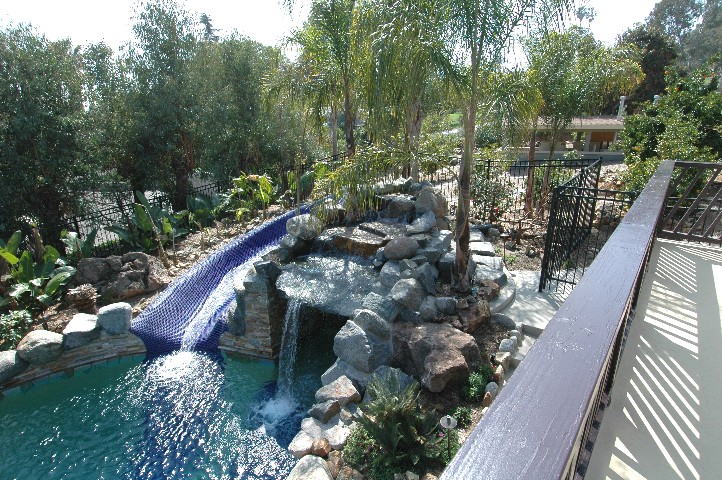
[
  {"x": 41, "y": 130},
  {"x": 402, "y": 47}
]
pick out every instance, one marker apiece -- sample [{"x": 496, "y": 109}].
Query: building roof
[{"x": 591, "y": 124}]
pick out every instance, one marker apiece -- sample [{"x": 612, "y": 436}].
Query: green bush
[
  {"x": 477, "y": 383},
  {"x": 395, "y": 433},
  {"x": 462, "y": 416},
  {"x": 13, "y": 327}
]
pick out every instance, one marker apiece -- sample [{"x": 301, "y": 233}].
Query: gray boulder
[
  {"x": 428, "y": 310},
  {"x": 399, "y": 207},
  {"x": 324, "y": 411},
  {"x": 305, "y": 227},
  {"x": 423, "y": 224},
  {"x": 93, "y": 271},
  {"x": 115, "y": 319},
  {"x": 11, "y": 364},
  {"x": 446, "y": 305},
  {"x": 372, "y": 323},
  {"x": 81, "y": 330},
  {"x": 340, "y": 369},
  {"x": 428, "y": 200},
  {"x": 40, "y": 346},
  {"x": 401, "y": 247},
  {"x": 383, "y": 306},
  {"x": 310, "y": 467},
  {"x": 446, "y": 264},
  {"x": 341, "y": 390},
  {"x": 363, "y": 352},
  {"x": 408, "y": 293},
  {"x": 390, "y": 274}
]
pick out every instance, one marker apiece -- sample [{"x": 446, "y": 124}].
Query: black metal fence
[
  {"x": 501, "y": 192},
  {"x": 581, "y": 219},
  {"x": 693, "y": 207},
  {"x": 106, "y": 209}
]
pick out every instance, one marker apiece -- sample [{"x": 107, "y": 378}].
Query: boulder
[
  {"x": 437, "y": 354},
  {"x": 93, "y": 271},
  {"x": 503, "y": 320},
  {"x": 390, "y": 274},
  {"x": 341, "y": 390},
  {"x": 81, "y": 330},
  {"x": 363, "y": 352},
  {"x": 320, "y": 448},
  {"x": 340, "y": 369},
  {"x": 310, "y": 467},
  {"x": 301, "y": 445},
  {"x": 446, "y": 264},
  {"x": 381, "y": 305},
  {"x": 348, "y": 473},
  {"x": 503, "y": 359},
  {"x": 507, "y": 345},
  {"x": 474, "y": 316},
  {"x": 485, "y": 249},
  {"x": 401, "y": 247},
  {"x": 372, "y": 323},
  {"x": 334, "y": 463},
  {"x": 324, "y": 411},
  {"x": 399, "y": 207},
  {"x": 305, "y": 227},
  {"x": 40, "y": 346},
  {"x": 446, "y": 305},
  {"x": 423, "y": 224},
  {"x": 408, "y": 293},
  {"x": 11, "y": 364},
  {"x": 426, "y": 275},
  {"x": 428, "y": 310},
  {"x": 357, "y": 241},
  {"x": 429, "y": 200},
  {"x": 118, "y": 278},
  {"x": 294, "y": 245},
  {"x": 492, "y": 388},
  {"x": 115, "y": 318},
  {"x": 336, "y": 432}
]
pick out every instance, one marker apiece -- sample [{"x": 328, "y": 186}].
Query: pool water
[{"x": 181, "y": 415}]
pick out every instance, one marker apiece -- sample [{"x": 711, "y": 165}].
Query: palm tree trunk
[
  {"x": 349, "y": 117},
  {"x": 334, "y": 131}
]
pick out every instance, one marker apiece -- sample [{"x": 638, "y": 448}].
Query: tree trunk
[
  {"x": 182, "y": 168},
  {"x": 334, "y": 131},
  {"x": 413, "y": 131},
  {"x": 529, "y": 198},
  {"x": 461, "y": 229},
  {"x": 547, "y": 172},
  {"x": 349, "y": 117}
]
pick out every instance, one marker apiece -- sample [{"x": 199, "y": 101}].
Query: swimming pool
[{"x": 181, "y": 415}]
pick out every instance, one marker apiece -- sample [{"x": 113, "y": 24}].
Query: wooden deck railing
[{"x": 537, "y": 427}]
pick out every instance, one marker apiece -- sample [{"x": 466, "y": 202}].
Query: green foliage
[
  {"x": 29, "y": 283},
  {"x": 249, "y": 194},
  {"x": 685, "y": 124},
  {"x": 77, "y": 248},
  {"x": 200, "y": 210},
  {"x": 13, "y": 327},
  {"x": 150, "y": 227},
  {"x": 492, "y": 191},
  {"x": 41, "y": 111},
  {"x": 396, "y": 432},
  {"x": 478, "y": 380},
  {"x": 462, "y": 416}
]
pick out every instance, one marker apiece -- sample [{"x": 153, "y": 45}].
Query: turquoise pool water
[{"x": 183, "y": 415}]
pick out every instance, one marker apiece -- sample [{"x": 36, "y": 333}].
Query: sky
[{"x": 266, "y": 21}]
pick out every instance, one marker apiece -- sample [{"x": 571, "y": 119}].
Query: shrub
[
  {"x": 462, "y": 416},
  {"x": 477, "y": 382},
  {"x": 395, "y": 433},
  {"x": 13, "y": 328}
]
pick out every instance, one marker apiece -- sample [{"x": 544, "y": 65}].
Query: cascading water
[{"x": 289, "y": 343}]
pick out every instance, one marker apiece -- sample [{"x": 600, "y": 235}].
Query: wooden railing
[{"x": 538, "y": 426}]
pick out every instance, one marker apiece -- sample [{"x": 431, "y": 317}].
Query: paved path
[{"x": 665, "y": 417}]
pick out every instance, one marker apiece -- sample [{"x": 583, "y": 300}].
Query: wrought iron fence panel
[
  {"x": 582, "y": 217},
  {"x": 693, "y": 208}
]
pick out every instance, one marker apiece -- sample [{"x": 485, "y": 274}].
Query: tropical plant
[
  {"x": 13, "y": 327},
  {"x": 462, "y": 416},
  {"x": 76, "y": 247},
  {"x": 149, "y": 228},
  {"x": 33, "y": 283},
  {"x": 248, "y": 194},
  {"x": 398, "y": 430}
]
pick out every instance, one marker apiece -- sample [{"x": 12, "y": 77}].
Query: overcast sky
[{"x": 266, "y": 21}]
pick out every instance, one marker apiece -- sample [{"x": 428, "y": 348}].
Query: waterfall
[{"x": 287, "y": 358}]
